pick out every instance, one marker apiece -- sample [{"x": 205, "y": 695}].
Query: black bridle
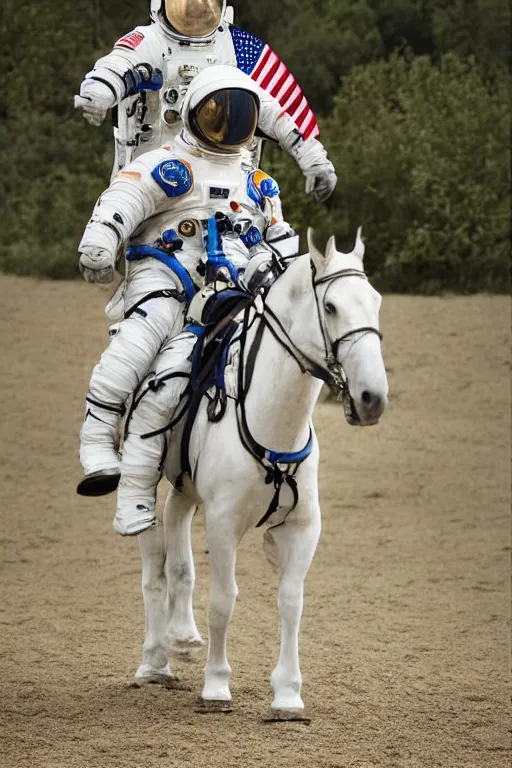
[
  {"x": 331, "y": 370},
  {"x": 282, "y": 467},
  {"x": 331, "y": 347}
]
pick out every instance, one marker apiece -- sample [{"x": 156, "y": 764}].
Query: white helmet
[
  {"x": 221, "y": 109},
  {"x": 192, "y": 20}
]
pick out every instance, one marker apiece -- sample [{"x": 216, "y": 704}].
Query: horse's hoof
[
  {"x": 213, "y": 706},
  {"x": 287, "y": 716},
  {"x": 187, "y": 648},
  {"x": 149, "y": 676}
]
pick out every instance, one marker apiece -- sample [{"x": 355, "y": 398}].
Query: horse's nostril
[{"x": 371, "y": 401}]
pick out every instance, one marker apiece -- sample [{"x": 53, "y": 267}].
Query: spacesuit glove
[
  {"x": 321, "y": 181},
  {"x": 311, "y": 157},
  {"x": 95, "y": 100},
  {"x": 97, "y": 265}
]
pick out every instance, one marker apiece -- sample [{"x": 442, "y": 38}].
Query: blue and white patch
[
  {"x": 269, "y": 187},
  {"x": 174, "y": 177},
  {"x": 260, "y": 185},
  {"x": 251, "y": 237}
]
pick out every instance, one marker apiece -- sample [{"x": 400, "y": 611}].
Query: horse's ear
[
  {"x": 317, "y": 256},
  {"x": 359, "y": 246},
  {"x": 330, "y": 249}
]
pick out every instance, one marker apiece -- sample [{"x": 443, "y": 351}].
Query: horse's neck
[{"x": 281, "y": 398}]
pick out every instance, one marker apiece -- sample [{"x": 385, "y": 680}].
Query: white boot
[
  {"x": 99, "y": 442},
  {"x": 141, "y": 464},
  {"x": 142, "y": 458},
  {"x": 136, "y": 501},
  {"x": 140, "y": 469}
]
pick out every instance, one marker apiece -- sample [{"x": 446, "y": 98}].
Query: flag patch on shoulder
[
  {"x": 135, "y": 175},
  {"x": 133, "y": 40}
]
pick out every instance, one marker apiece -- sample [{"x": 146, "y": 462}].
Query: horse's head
[{"x": 348, "y": 315}]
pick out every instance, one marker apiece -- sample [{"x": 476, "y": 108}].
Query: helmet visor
[
  {"x": 194, "y": 18},
  {"x": 226, "y": 120}
]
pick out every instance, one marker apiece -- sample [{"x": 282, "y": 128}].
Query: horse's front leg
[
  {"x": 182, "y": 633},
  {"x": 222, "y": 544},
  {"x": 154, "y": 667},
  {"x": 296, "y": 541}
]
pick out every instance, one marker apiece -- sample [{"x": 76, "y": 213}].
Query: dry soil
[{"x": 405, "y": 642}]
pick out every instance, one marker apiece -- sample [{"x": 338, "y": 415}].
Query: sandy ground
[{"x": 405, "y": 639}]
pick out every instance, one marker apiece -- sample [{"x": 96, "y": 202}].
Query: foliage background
[{"x": 414, "y": 104}]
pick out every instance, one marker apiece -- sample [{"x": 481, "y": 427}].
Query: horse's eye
[{"x": 330, "y": 308}]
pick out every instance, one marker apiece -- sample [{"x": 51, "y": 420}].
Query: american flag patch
[
  {"x": 133, "y": 40},
  {"x": 259, "y": 61}
]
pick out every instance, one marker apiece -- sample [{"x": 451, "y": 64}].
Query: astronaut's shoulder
[
  {"x": 173, "y": 174},
  {"x": 135, "y": 38},
  {"x": 142, "y": 166},
  {"x": 155, "y": 156}
]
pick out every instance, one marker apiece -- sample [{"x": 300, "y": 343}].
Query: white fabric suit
[
  {"x": 150, "y": 69},
  {"x": 178, "y": 189}
]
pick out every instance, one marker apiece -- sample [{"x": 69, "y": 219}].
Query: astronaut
[
  {"x": 164, "y": 198},
  {"x": 146, "y": 76}
]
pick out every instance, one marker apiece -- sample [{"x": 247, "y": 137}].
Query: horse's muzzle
[{"x": 367, "y": 411}]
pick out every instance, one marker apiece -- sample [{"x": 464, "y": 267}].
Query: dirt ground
[{"x": 405, "y": 641}]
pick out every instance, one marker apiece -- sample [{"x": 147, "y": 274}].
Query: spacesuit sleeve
[
  {"x": 132, "y": 62},
  {"x": 138, "y": 192}
]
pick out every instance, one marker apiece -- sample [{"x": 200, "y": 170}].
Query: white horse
[{"x": 321, "y": 317}]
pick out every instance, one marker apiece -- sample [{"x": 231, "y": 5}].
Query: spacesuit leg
[
  {"x": 122, "y": 367},
  {"x": 152, "y": 411}
]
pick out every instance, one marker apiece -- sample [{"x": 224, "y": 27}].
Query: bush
[
  {"x": 422, "y": 153},
  {"x": 421, "y": 146}
]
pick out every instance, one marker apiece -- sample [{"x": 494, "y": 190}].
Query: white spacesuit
[
  {"x": 148, "y": 72},
  {"x": 165, "y": 197}
]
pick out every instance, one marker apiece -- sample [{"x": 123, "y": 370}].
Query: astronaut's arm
[
  {"x": 131, "y": 67},
  {"x": 309, "y": 154},
  {"x": 138, "y": 192},
  {"x": 119, "y": 211}
]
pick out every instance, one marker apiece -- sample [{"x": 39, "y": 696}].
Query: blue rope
[{"x": 136, "y": 252}]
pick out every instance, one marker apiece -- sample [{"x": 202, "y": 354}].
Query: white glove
[
  {"x": 321, "y": 180},
  {"x": 98, "y": 249},
  {"x": 97, "y": 265},
  {"x": 95, "y": 100},
  {"x": 320, "y": 175},
  {"x": 311, "y": 157}
]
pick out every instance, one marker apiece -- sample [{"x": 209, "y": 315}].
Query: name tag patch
[{"x": 219, "y": 193}]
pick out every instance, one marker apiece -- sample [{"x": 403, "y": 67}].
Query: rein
[
  {"x": 268, "y": 460},
  {"x": 332, "y": 374},
  {"x": 282, "y": 467}
]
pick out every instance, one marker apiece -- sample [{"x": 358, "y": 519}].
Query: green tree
[
  {"x": 421, "y": 145},
  {"x": 424, "y": 163}
]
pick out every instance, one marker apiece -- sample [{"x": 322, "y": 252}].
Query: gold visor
[
  {"x": 194, "y": 18},
  {"x": 227, "y": 120}
]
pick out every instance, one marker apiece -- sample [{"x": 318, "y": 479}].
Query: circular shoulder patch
[{"x": 174, "y": 177}]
